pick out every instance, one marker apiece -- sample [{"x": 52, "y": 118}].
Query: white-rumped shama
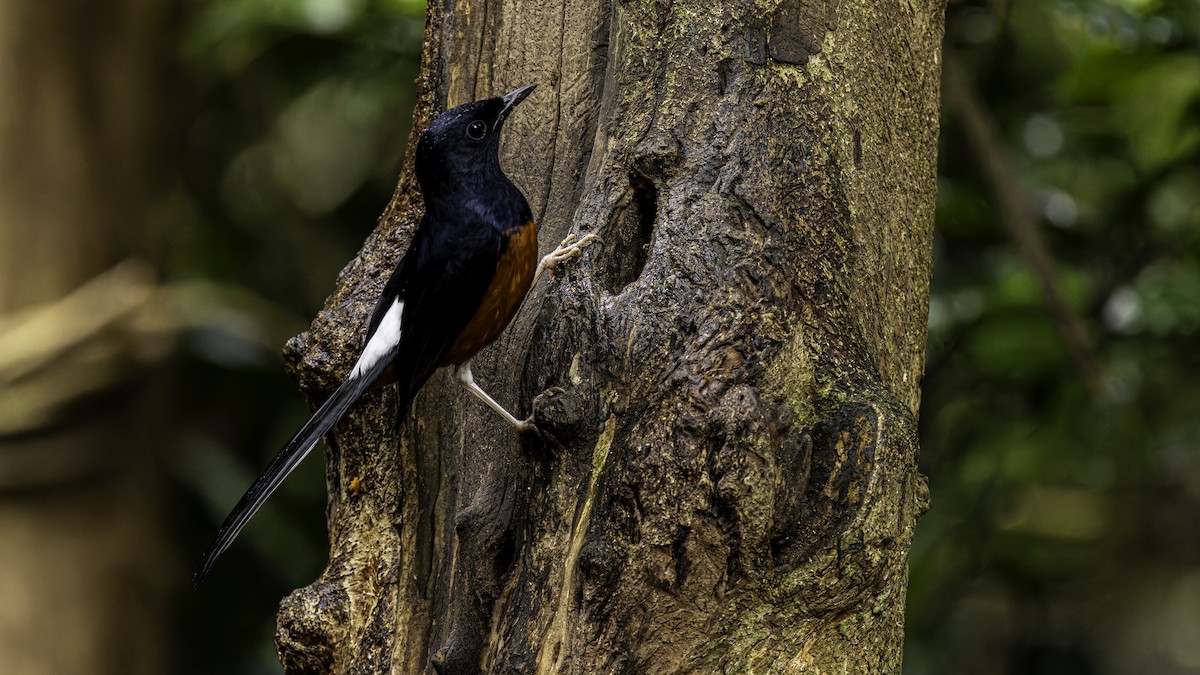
[{"x": 472, "y": 260}]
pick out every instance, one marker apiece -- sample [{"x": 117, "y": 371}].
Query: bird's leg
[
  {"x": 569, "y": 248},
  {"x": 463, "y": 374}
]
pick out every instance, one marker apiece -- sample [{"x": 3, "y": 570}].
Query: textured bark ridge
[{"x": 727, "y": 386}]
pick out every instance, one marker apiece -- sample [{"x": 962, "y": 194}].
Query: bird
[{"x": 472, "y": 259}]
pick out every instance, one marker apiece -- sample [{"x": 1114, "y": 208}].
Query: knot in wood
[{"x": 798, "y": 27}]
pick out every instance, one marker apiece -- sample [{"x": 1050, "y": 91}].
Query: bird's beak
[{"x": 511, "y": 99}]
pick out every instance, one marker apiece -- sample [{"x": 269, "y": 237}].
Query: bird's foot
[
  {"x": 524, "y": 426},
  {"x": 570, "y": 247}
]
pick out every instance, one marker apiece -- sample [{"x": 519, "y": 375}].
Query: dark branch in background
[{"x": 983, "y": 138}]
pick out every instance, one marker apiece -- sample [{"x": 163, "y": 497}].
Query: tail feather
[{"x": 285, "y": 461}]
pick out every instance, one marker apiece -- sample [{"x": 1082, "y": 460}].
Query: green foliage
[
  {"x": 1063, "y": 535},
  {"x": 302, "y": 113},
  {"x": 1058, "y": 508},
  {"x": 296, "y": 130}
]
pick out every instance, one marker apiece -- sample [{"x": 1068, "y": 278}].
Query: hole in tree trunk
[
  {"x": 628, "y": 240},
  {"x": 724, "y": 75},
  {"x": 506, "y": 557}
]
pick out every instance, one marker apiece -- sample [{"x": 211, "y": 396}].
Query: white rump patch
[{"x": 384, "y": 340}]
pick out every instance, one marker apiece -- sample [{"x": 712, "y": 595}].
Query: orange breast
[{"x": 514, "y": 272}]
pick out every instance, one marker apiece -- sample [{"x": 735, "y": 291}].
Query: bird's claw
[{"x": 570, "y": 247}]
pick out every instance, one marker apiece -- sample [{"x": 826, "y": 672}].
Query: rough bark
[
  {"x": 83, "y": 574},
  {"x": 727, "y": 386}
]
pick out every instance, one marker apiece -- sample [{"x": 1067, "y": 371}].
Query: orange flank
[{"x": 514, "y": 273}]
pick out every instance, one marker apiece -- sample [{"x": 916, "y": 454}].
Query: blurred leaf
[
  {"x": 1018, "y": 345},
  {"x": 1054, "y": 511}
]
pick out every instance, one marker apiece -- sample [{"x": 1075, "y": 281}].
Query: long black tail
[{"x": 331, "y": 411}]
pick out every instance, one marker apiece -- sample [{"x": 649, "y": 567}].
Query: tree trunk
[
  {"x": 85, "y": 562},
  {"x": 727, "y": 385}
]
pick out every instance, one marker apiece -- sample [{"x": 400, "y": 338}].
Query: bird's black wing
[
  {"x": 429, "y": 299},
  {"x": 443, "y": 288}
]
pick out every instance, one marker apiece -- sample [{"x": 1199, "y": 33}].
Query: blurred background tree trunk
[
  {"x": 728, "y": 478},
  {"x": 82, "y": 170}
]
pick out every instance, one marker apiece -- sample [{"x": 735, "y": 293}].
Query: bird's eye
[{"x": 476, "y": 130}]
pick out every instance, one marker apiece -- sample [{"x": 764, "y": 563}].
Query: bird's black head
[{"x": 463, "y": 143}]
